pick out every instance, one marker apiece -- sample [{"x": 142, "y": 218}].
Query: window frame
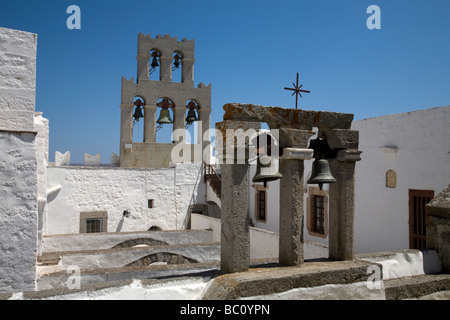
[
  {"x": 259, "y": 190},
  {"x": 318, "y": 213},
  {"x": 93, "y": 215},
  {"x": 91, "y": 228},
  {"x": 311, "y": 214}
]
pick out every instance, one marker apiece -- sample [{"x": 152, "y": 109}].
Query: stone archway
[
  {"x": 165, "y": 257},
  {"x": 294, "y": 129},
  {"x": 140, "y": 241}
]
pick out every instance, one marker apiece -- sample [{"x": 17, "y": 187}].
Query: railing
[
  {"x": 209, "y": 170},
  {"x": 211, "y": 175}
]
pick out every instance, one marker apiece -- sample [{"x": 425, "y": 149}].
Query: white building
[
  {"x": 401, "y": 155},
  {"x": 405, "y": 163},
  {"x": 38, "y": 198}
]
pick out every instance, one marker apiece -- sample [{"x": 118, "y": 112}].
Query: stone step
[
  {"x": 268, "y": 281},
  {"x": 59, "y": 280},
  {"x": 138, "y": 256},
  {"x": 64, "y": 279},
  {"x": 416, "y": 286}
]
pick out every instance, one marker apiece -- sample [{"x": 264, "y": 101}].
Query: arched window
[
  {"x": 164, "y": 123},
  {"x": 154, "y": 65},
  {"x": 138, "y": 119},
  {"x": 177, "y": 66}
]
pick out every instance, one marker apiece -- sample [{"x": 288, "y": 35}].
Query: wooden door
[{"x": 417, "y": 217}]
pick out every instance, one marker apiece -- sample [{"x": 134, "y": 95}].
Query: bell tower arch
[{"x": 163, "y": 55}]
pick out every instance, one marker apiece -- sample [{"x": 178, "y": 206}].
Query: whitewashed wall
[
  {"x": 17, "y": 79},
  {"x": 41, "y": 126},
  {"x": 417, "y": 146},
  {"x": 18, "y": 178},
  {"x": 116, "y": 189}
]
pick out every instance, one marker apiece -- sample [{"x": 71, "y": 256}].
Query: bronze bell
[
  {"x": 164, "y": 117},
  {"x": 321, "y": 173},
  {"x": 191, "y": 116},
  {"x": 266, "y": 171},
  {"x": 155, "y": 63},
  {"x": 176, "y": 63},
  {"x": 138, "y": 113}
]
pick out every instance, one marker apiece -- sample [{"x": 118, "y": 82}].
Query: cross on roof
[{"x": 297, "y": 91}]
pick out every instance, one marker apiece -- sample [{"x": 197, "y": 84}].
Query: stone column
[
  {"x": 204, "y": 115},
  {"x": 179, "y": 118},
  {"x": 126, "y": 131},
  {"x": 150, "y": 123},
  {"x": 342, "y": 205},
  {"x": 165, "y": 68},
  {"x": 126, "y": 126},
  {"x": 143, "y": 62},
  {"x": 234, "y": 155},
  {"x": 235, "y": 236},
  {"x": 187, "y": 75},
  {"x": 291, "y": 251}
]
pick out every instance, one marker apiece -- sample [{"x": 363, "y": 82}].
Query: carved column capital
[{"x": 349, "y": 155}]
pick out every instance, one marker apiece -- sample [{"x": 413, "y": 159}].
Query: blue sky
[{"x": 248, "y": 50}]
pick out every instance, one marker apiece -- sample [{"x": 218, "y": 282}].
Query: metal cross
[{"x": 297, "y": 91}]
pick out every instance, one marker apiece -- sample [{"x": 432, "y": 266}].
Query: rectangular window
[
  {"x": 318, "y": 213},
  {"x": 150, "y": 203},
  {"x": 93, "y": 221},
  {"x": 261, "y": 205},
  {"x": 94, "y": 225}
]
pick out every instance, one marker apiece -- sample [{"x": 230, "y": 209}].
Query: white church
[{"x": 144, "y": 198}]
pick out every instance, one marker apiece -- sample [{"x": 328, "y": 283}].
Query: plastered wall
[
  {"x": 85, "y": 189},
  {"x": 18, "y": 177},
  {"x": 416, "y": 146}
]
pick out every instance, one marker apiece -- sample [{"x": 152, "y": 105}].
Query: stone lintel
[
  {"x": 290, "y": 137},
  {"x": 349, "y": 155},
  {"x": 297, "y": 154},
  {"x": 237, "y": 124},
  {"x": 342, "y": 138},
  {"x": 277, "y": 117},
  {"x": 234, "y": 134}
]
